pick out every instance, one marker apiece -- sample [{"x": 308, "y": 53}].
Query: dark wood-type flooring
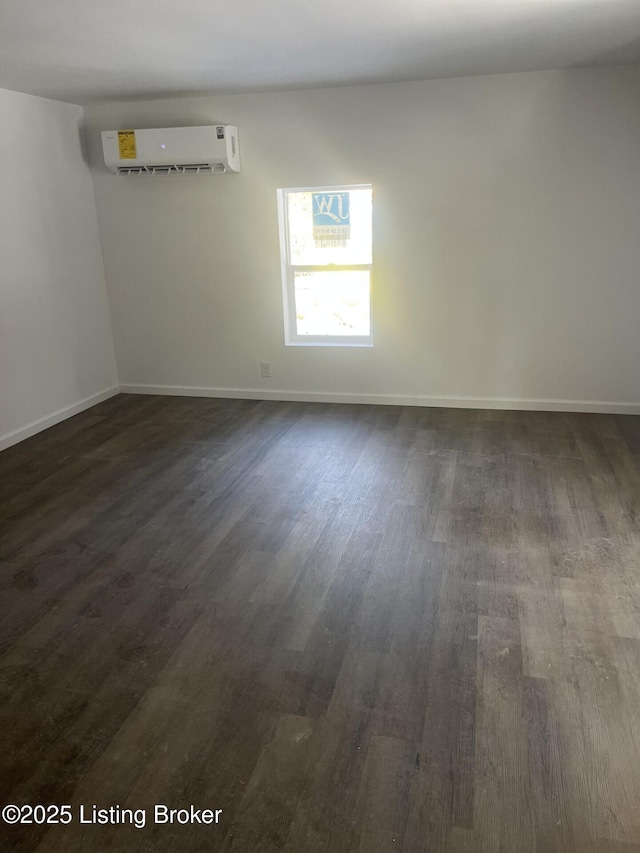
[{"x": 351, "y": 628}]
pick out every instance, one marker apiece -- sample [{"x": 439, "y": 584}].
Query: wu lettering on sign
[{"x": 331, "y": 223}]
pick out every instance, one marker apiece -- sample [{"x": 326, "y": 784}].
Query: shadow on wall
[
  {"x": 84, "y": 142},
  {"x": 627, "y": 53}
]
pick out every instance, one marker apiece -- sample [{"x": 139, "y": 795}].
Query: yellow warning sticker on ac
[{"x": 127, "y": 144}]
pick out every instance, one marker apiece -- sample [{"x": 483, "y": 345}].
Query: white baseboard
[
  {"x": 17, "y": 435},
  {"x": 519, "y": 403},
  {"x": 525, "y": 404}
]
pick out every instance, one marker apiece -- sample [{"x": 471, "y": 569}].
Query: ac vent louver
[{"x": 177, "y": 169}]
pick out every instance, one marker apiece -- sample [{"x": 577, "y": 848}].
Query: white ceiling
[{"x": 85, "y": 50}]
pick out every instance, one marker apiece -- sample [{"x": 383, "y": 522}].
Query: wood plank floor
[{"x": 351, "y": 628}]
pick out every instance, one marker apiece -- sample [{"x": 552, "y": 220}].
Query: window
[{"x": 325, "y": 245}]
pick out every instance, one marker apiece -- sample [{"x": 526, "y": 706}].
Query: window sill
[{"x": 365, "y": 344}]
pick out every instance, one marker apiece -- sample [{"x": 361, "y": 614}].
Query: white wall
[
  {"x": 506, "y": 241},
  {"x": 56, "y": 346}
]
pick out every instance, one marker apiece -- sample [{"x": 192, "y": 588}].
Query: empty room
[{"x": 320, "y": 426}]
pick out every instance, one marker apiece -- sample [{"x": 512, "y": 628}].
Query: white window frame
[{"x": 291, "y": 337}]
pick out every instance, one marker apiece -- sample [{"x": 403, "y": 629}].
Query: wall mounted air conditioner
[{"x": 172, "y": 150}]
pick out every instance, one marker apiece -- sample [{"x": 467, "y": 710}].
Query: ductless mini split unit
[{"x": 172, "y": 150}]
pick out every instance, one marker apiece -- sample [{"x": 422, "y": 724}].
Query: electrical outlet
[{"x": 265, "y": 368}]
